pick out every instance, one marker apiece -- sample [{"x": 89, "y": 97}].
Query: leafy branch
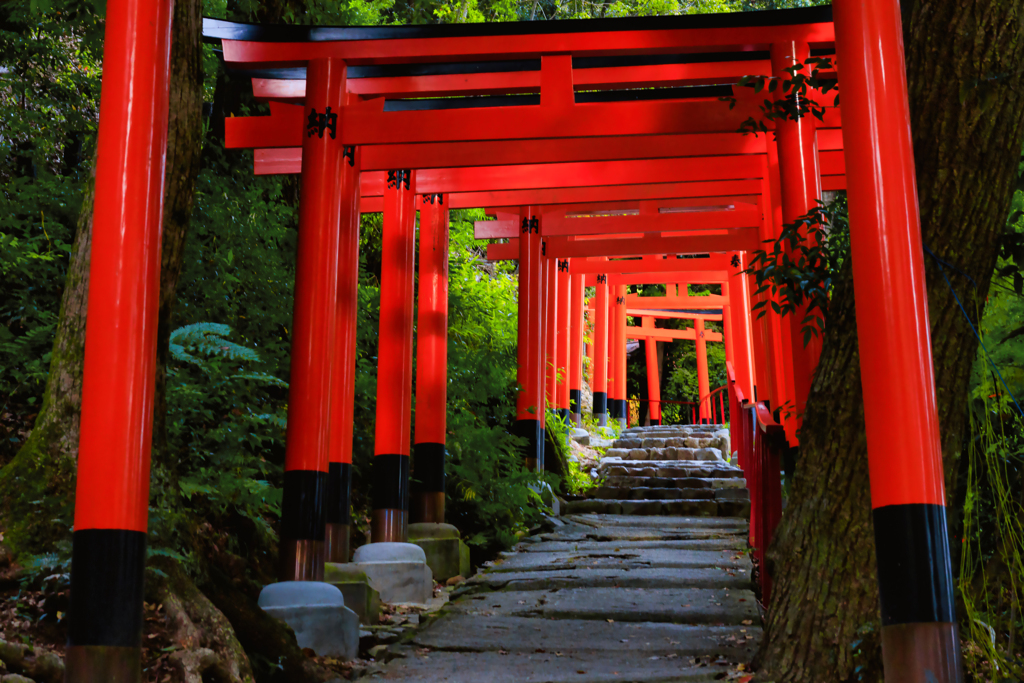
[
  {"x": 795, "y": 101},
  {"x": 799, "y": 267}
]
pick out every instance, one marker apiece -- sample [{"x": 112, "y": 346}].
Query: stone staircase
[{"x": 668, "y": 470}]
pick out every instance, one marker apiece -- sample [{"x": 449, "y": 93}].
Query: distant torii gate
[{"x": 337, "y": 131}]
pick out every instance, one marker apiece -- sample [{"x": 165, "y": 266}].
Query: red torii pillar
[
  {"x": 343, "y": 387},
  {"x": 427, "y": 490},
  {"x": 550, "y": 329},
  {"x": 601, "y": 343},
  {"x": 703, "y": 381},
  {"x": 562, "y": 340},
  {"x": 530, "y": 372},
  {"x": 307, "y": 458},
  {"x": 390, "y": 521},
  {"x": 737, "y": 319},
  {"x": 112, "y": 490},
  {"x": 576, "y": 324},
  {"x": 617, "y": 362},
  {"x": 801, "y": 188},
  {"x": 653, "y": 382},
  {"x": 915, "y": 578}
]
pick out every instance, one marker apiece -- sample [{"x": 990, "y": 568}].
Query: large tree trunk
[
  {"x": 823, "y": 621},
  {"x": 184, "y": 153}
]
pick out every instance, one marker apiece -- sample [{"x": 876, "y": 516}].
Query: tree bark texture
[
  {"x": 967, "y": 115},
  {"x": 184, "y": 154}
]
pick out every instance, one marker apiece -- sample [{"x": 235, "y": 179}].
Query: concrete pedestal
[
  {"x": 354, "y": 584},
  {"x": 446, "y": 554},
  {"x": 398, "y": 571},
  {"x": 316, "y": 612}
]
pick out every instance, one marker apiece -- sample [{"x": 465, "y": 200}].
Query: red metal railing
[
  {"x": 718, "y": 410},
  {"x": 758, "y": 441},
  {"x": 714, "y": 407}
]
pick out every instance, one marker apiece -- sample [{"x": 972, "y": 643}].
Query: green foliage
[
  {"x": 795, "y": 101},
  {"x": 47, "y": 105},
  {"x": 798, "y": 270},
  {"x": 991, "y": 572},
  {"x": 226, "y": 424},
  {"x": 491, "y": 497}
]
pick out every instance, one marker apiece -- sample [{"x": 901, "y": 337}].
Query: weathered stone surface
[
  {"x": 465, "y": 633},
  {"x": 617, "y": 453},
  {"x": 642, "y": 577},
  {"x": 398, "y": 571},
  {"x": 355, "y": 587},
  {"x": 639, "y": 557},
  {"x": 611, "y": 507},
  {"x": 641, "y": 507},
  {"x": 707, "y": 454},
  {"x": 664, "y": 523},
  {"x": 734, "y": 508},
  {"x": 618, "y": 544},
  {"x": 675, "y": 605},
  {"x": 638, "y": 454},
  {"x": 703, "y": 508},
  {"x": 317, "y": 614},
  {"x": 616, "y": 598},
  {"x": 548, "y": 667}
]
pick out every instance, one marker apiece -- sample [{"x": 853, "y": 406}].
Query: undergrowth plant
[{"x": 991, "y": 572}]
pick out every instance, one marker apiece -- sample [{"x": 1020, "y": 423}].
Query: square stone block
[
  {"x": 398, "y": 571},
  {"x": 316, "y": 612},
  {"x": 442, "y": 546},
  {"x": 353, "y": 583}
]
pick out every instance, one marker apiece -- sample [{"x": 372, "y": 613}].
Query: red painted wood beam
[
  {"x": 745, "y": 239},
  {"x": 575, "y": 195},
  {"x": 706, "y": 277},
  {"x": 669, "y": 301},
  {"x": 659, "y": 334},
  {"x": 573, "y": 174},
  {"x": 501, "y": 152},
  {"x": 658, "y": 222},
  {"x": 366, "y": 123},
  {"x": 514, "y": 82},
  {"x": 652, "y": 265},
  {"x": 507, "y": 226},
  {"x": 286, "y": 160},
  {"x": 671, "y": 315},
  {"x": 527, "y": 46}
]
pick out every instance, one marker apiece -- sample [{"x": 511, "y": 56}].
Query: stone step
[
  {"x": 554, "y": 666},
  {"x": 534, "y": 544},
  {"x": 629, "y": 577},
  {"x": 701, "y": 508},
  {"x": 667, "y": 454},
  {"x": 673, "y": 605},
  {"x": 694, "y": 441},
  {"x": 670, "y": 470},
  {"x": 665, "y": 493},
  {"x": 679, "y": 483},
  {"x": 461, "y": 633}
]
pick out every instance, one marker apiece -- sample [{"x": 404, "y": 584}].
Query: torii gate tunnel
[{"x": 603, "y": 139}]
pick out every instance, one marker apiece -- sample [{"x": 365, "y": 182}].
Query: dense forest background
[{"x": 216, "y": 505}]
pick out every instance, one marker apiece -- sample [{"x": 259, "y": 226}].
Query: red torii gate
[{"x": 336, "y": 131}]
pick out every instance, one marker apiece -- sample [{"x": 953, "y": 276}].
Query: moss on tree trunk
[{"x": 968, "y": 128}]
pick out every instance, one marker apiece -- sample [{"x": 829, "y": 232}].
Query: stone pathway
[
  {"x": 598, "y": 597},
  {"x": 677, "y": 470}
]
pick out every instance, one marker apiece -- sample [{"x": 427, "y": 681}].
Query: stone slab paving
[{"x": 599, "y": 598}]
